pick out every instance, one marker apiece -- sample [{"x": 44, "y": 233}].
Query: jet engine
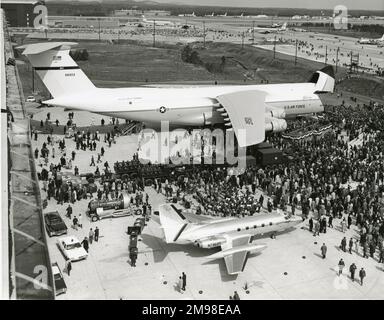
[
  {"x": 275, "y": 125},
  {"x": 276, "y": 113},
  {"x": 208, "y": 243}
]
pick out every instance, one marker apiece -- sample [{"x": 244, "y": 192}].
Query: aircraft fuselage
[
  {"x": 253, "y": 225},
  {"x": 189, "y": 106}
]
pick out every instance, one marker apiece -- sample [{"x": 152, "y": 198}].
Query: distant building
[
  {"x": 159, "y": 13},
  {"x": 19, "y": 13},
  {"x": 128, "y": 12},
  {"x": 136, "y": 13},
  {"x": 82, "y": 22}
]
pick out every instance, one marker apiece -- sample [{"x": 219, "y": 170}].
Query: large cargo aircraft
[
  {"x": 193, "y": 15},
  {"x": 158, "y": 22},
  {"x": 250, "y": 109},
  {"x": 272, "y": 29},
  {"x": 232, "y": 235},
  {"x": 371, "y": 41}
]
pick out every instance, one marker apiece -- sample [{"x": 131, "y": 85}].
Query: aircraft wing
[
  {"x": 246, "y": 113},
  {"x": 235, "y": 262},
  {"x": 235, "y": 252}
]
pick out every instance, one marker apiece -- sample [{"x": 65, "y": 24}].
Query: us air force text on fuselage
[{"x": 192, "y": 309}]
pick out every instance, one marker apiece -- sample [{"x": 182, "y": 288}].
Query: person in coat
[
  {"x": 352, "y": 270},
  {"x": 362, "y": 275},
  {"x": 324, "y": 251},
  {"x": 85, "y": 244},
  {"x": 341, "y": 266},
  {"x": 343, "y": 244},
  {"x": 184, "y": 277}
]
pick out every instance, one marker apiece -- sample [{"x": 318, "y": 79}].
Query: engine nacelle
[
  {"x": 276, "y": 113},
  {"x": 276, "y": 125},
  {"x": 208, "y": 243}
]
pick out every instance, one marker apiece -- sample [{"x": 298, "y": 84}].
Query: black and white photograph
[{"x": 192, "y": 150}]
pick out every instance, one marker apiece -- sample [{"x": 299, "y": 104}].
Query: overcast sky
[{"x": 310, "y": 4}]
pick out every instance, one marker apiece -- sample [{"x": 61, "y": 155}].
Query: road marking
[
  {"x": 34, "y": 281},
  {"x": 24, "y": 201},
  {"x": 28, "y": 236}
]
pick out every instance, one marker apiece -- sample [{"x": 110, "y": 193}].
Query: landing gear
[{"x": 273, "y": 235}]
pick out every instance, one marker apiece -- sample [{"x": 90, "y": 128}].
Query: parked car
[
  {"x": 71, "y": 248},
  {"x": 60, "y": 286},
  {"x": 31, "y": 99},
  {"x": 54, "y": 224}
]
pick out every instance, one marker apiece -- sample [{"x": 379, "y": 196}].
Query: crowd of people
[
  {"x": 334, "y": 181},
  {"x": 338, "y": 176}
]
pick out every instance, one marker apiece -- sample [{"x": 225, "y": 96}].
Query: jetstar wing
[
  {"x": 246, "y": 112},
  {"x": 235, "y": 262},
  {"x": 235, "y": 252}
]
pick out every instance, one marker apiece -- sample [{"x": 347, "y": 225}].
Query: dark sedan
[{"x": 54, "y": 224}]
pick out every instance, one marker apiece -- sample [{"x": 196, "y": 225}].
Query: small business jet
[
  {"x": 232, "y": 235},
  {"x": 250, "y": 109}
]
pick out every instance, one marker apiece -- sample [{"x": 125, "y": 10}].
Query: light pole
[
  {"x": 274, "y": 48},
  {"x": 204, "y": 32},
  {"x": 33, "y": 79},
  {"x": 98, "y": 19},
  {"x": 337, "y": 58},
  {"x": 253, "y": 32}
]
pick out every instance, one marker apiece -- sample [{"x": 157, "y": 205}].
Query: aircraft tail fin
[
  {"x": 324, "y": 80},
  {"x": 172, "y": 221},
  {"x": 382, "y": 38},
  {"x": 56, "y": 68}
]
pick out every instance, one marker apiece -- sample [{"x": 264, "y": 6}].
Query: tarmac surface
[{"x": 290, "y": 268}]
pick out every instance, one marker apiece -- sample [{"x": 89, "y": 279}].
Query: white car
[
  {"x": 71, "y": 248},
  {"x": 60, "y": 286},
  {"x": 31, "y": 99}
]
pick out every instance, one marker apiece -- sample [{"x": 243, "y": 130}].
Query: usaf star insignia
[{"x": 162, "y": 109}]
